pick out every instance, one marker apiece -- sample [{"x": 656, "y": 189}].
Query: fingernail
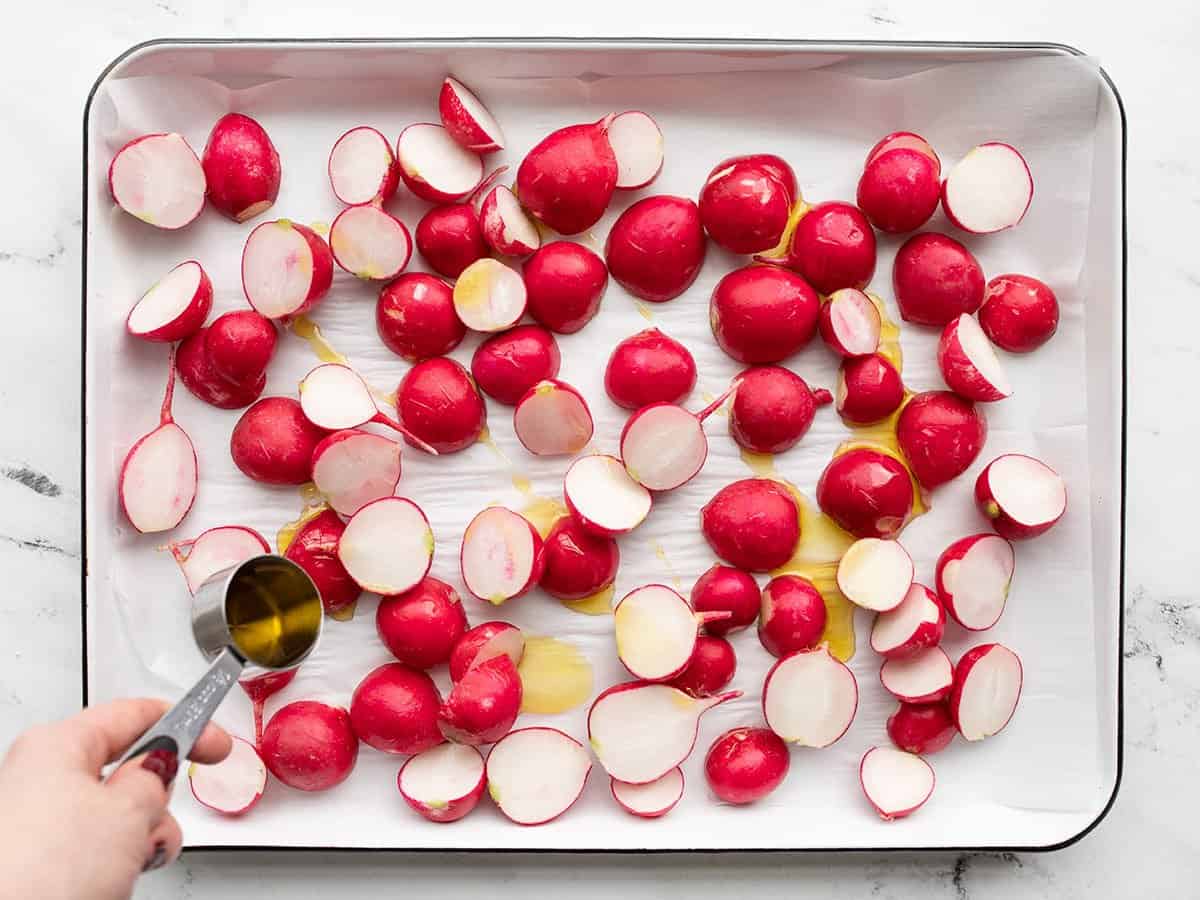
[
  {"x": 162, "y": 763},
  {"x": 157, "y": 859}
]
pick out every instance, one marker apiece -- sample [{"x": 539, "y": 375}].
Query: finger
[
  {"x": 164, "y": 845},
  {"x": 213, "y": 745},
  {"x": 102, "y": 733},
  {"x": 142, "y": 790}
]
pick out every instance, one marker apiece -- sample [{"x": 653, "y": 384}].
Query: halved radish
[
  {"x": 972, "y": 578},
  {"x": 314, "y": 548},
  {"x": 990, "y": 189},
  {"x": 793, "y": 615},
  {"x": 924, "y": 677},
  {"x": 241, "y": 168},
  {"x": 553, "y": 419},
  {"x": 467, "y": 120},
  {"x": 650, "y": 800},
  {"x": 746, "y": 764},
  {"x": 664, "y": 446},
  {"x": 896, "y": 783},
  {"x": 286, "y": 269},
  {"x": 869, "y": 389},
  {"x": 435, "y": 166},
  {"x": 443, "y": 783},
  {"x": 987, "y": 686},
  {"x": 567, "y": 179},
  {"x": 731, "y": 590},
  {"x": 175, "y": 307},
  {"x": 656, "y": 630},
  {"x": 387, "y": 546},
  {"x": 637, "y": 143},
  {"x": 158, "y": 178},
  {"x": 506, "y": 227},
  {"x": 579, "y": 564},
  {"x": 362, "y": 167},
  {"x": 370, "y": 243},
  {"x": 536, "y": 774},
  {"x": 509, "y": 364},
  {"x": 712, "y": 666},
  {"x": 875, "y": 574},
  {"x": 483, "y": 642},
  {"x": 918, "y": 622},
  {"x": 1019, "y": 313},
  {"x": 489, "y": 296},
  {"x": 1021, "y": 496},
  {"x": 501, "y": 555},
  {"x": 753, "y": 524},
  {"x": 809, "y": 698},
  {"x": 640, "y": 731},
  {"x": 921, "y": 727},
  {"x": 483, "y": 704},
  {"x": 602, "y": 496},
  {"x": 214, "y": 550},
  {"x": 968, "y": 362},
  {"x": 353, "y": 468},
  {"x": 232, "y": 786},
  {"x": 849, "y": 323},
  {"x": 940, "y": 434},
  {"x": 334, "y": 396}
]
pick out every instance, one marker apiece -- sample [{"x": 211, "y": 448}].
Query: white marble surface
[{"x": 1148, "y": 844}]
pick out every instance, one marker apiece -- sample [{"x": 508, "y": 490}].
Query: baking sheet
[{"x": 1051, "y": 772}]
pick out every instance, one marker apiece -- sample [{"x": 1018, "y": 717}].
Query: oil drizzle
[
  {"x": 305, "y": 328},
  {"x": 762, "y": 465},
  {"x": 555, "y": 676},
  {"x": 597, "y": 604},
  {"x": 889, "y": 334},
  {"x": 543, "y": 512},
  {"x": 661, "y": 552},
  {"x": 643, "y": 310}
]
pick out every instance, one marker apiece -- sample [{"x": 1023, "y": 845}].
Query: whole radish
[
  {"x": 866, "y": 492},
  {"x": 241, "y": 168},
  {"x": 921, "y": 727},
  {"x": 752, "y": 524},
  {"x": 510, "y": 363},
  {"x": 394, "y": 709},
  {"x": 1019, "y": 313},
  {"x": 174, "y": 307},
  {"x": 940, "y": 434},
  {"x": 273, "y": 442},
  {"x": 421, "y": 626},
  {"x": 649, "y": 367},
  {"x": 568, "y": 178},
  {"x": 287, "y": 269},
  {"x": 577, "y": 563},
  {"x": 656, "y": 247},
  {"x": 711, "y": 668},
  {"x": 899, "y": 190},
  {"x": 438, "y": 402},
  {"x": 158, "y": 179},
  {"x": 310, "y": 746},
  {"x": 763, "y": 314},
  {"x": 481, "y": 643},
  {"x": 314, "y": 549},
  {"x": 565, "y": 283},
  {"x": 833, "y": 247},
  {"x": 240, "y": 346},
  {"x": 194, "y": 364},
  {"x": 449, "y": 238},
  {"x": 936, "y": 279},
  {"x": 746, "y": 202},
  {"x": 773, "y": 409},
  {"x": 415, "y": 317},
  {"x": 793, "y": 615},
  {"x": 726, "y": 589},
  {"x": 483, "y": 704},
  {"x": 869, "y": 389},
  {"x": 746, "y": 764}
]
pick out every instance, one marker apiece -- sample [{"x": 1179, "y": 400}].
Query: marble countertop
[{"x": 1148, "y": 844}]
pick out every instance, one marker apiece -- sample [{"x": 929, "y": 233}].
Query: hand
[{"x": 65, "y": 835}]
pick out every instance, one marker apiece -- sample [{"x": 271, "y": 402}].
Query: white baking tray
[{"x": 1043, "y": 783}]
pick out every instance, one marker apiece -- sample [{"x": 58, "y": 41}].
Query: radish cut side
[
  {"x": 974, "y": 584},
  {"x": 810, "y": 698},
  {"x": 603, "y": 496},
  {"x": 333, "y": 396},
  {"x": 649, "y": 801},
  {"x": 553, "y": 419},
  {"x": 1028, "y": 491},
  {"x": 655, "y": 630},
  {"x": 430, "y": 157},
  {"x": 489, "y": 296},
  {"x": 637, "y": 143},
  {"x": 233, "y": 785},
  {"x": 158, "y": 179},
  {"x": 354, "y": 468},
  {"x": 172, "y": 299},
  {"x": 215, "y": 550},
  {"x": 917, "y": 621},
  {"x": 896, "y": 783},
  {"x": 500, "y": 555},
  {"x": 370, "y": 243},
  {"x": 277, "y": 269},
  {"x": 536, "y": 774},
  {"x": 968, "y": 362},
  {"x": 875, "y": 574},
  {"x": 360, "y": 165},
  {"x": 989, "y": 190},
  {"x": 443, "y": 783},
  {"x": 506, "y": 228},
  {"x": 987, "y": 686},
  {"x": 663, "y": 446},
  {"x": 924, "y": 677},
  {"x": 854, "y": 321},
  {"x": 158, "y": 481},
  {"x": 387, "y": 546},
  {"x": 467, "y": 119}
]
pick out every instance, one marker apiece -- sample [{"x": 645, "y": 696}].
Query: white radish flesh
[
  {"x": 175, "y": 307},
  {"x": 663, "y": 446},
  {"x": 506, "y": 227},
  {"x": 435, "y": 166},
  {"x": 355, "y": 469},
  {"x": 387, "y": 546},
  {"x": 333, "y": 396},
  {"x": 917, "y": 622},
  {"x": 603, "y": 497},
  {"x": 652, "y": 800},
  {"x": 233, "y": 785},
  {"x": 158, "y": 179},
  {"x": 361, "y": 166},
  {"x": 851, "y": 323},
  {"x": 1026, "y": 491},
  {"x": 968, "y": 362},
  {"x": 215, "y": 550},
  {"x": 443, "y": 783},
  {"x": 536, "y": 774},
  {"x": 278, "y": 269},
  {"x": 989, "y": 190},
  {"x": 973, "y": 578},
  {"x": 924, "y": 677},
  {"x": 489, "y": 296},
  {"x": 655, "y": 630},
  {"x": 987, "y": 686},
  {"x": 637, "y": 143},
  {"x": 553, "y": 419},
  {"x": 810, "y": 698},
  {"x": 875, "y": 574},
  {"x": 370, "y": 243},
  {"x": 896, "y": 783},
  {"x": 501, "y": 555},
  {"x": 467, "y": 119}
]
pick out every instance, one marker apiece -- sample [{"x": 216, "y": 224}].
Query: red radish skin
[
  {"x": 850, "y": 323},
  {"x": 438, "y": 402},
  {"x": 906, "y": 140},
  {"x": 787, "y": 698},
  {"x": 924, "y": 677},
  {"x": 935, "y": 280},
  {"x": 833, "y": 247},
  {"x": 314, "y": 549},
  {"x": 175, "y": 307},
  {"x": 157, "y": 178},
  {"x": 286, "y": 269},
  {"x": 726, "y": 589},
  {"x": 1019, "y": 313},
  {"x": 896, "y": 783},
  {"x": 869, "y": 389},
  {"x": 988, "y": 190},
  {"x": 664, "y": 446},
  {"x": 448, "y": 766},
  {"x": 1021, "y": 496},
  {"x": 746, "y": 764},
  {"x": 310, "y": 746},
  {"x": 394, "y": 709},
  {"x": 241, "y": 168},
  {"x": 968, "y": 362},
  {"x": 506, "y": 227},
  {"x": 577, "y": 563},
  {"x": 507, "y": 365},
  {"x": 918, "y": 622},
  {"x": 370, "y": 243},
  {"x": 866, "y": 492},
  {"x": 415, "y": 317},
  {"x": 649, "y": 367},
  {"x": 752, "y": 524},
  {"x": 387, "y": 546},
  {"x": 362, "y": 167},
  {"x": 656, "y": 248},
  {"x": 921, "y": 727},
  {"x": 233, "y": 786},
  {"x": 987, "y": 688},
  {"x": 656, "y": 632},
  {"x": 481, "y": 643},
  {"x": 215, "y": 549},
  {"x": 467, "y": 119},
  {"x": 772, "y": 409},
  {"x": 352, "y": 468},
  {"x": 763, "y": 314},
  {"x": 899, "y": 190},
  {"x": 260, "y": 688},
  {"x": 483, "y": 704},
  {"x": 421, "y": 626},
  {"x": 568, "y": 178},
  {"x": 553, "y": 419},
  {"x": 792, "y": 617},
  {"x": 273, "y": 442},
  {"x": 603, "y": 498},
  {"x": 240, "y": 346},
  {"x": 746, "y": 202},
  {"x": 940, "y": 434},
  {"x": 434, "y": 166},
  {"x": 501, "y": 556},
  {"x": 649, "y": 801},
  {"x": 565, "y": 283},
  {"x": 489, "y": 296},
  {"x": 973, "y": 576},
  {"x": 711, "y": 668},
  {"x": 450, "y": 238},
  {"x": 535, "y": 775},
  {"x": 195, "y": 366}
]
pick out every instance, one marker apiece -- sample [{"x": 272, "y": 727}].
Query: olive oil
[{"x": 274, "y": 614}]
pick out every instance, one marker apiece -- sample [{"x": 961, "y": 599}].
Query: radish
[
  {"x": 1019, "y": 313},
  {"x": 552, "y": 419},
  {"x": 878, "y": 575},
  {"x": 711, "y": 667},
  {"x": 438, "y": 404},
  {"x": 510, "y": 364},
  {"x": 989, "y": 189},
  {"x": 772, "y": 409},
  {"x": 921, "y": 727},
  {"x": 867, "y": 493},
  {"x": 896, "y": 783},
  {"x": 936, "y": 279},
  {"x": 387, "y": 546},
  {"x": 833, "y": 247},
  {"x": 194, "y": 364},
  {"x": 651, "y": 800},
  {"x": 746, "y": 202},
  {"x": 656, "y": 630},
  {"x": 567, "y": 180},
  {"x": 649, "y": 367},
  {"x": 641, "y": 731},
  {"x": 940, "y": 434},
  {"x": 752, "y": 524},
  {"x": 352, "y": 468},
  {"x": 362, "y": 167},
  {"x": 394, "y": 709},
  {"x": 577, "y": 563},
  {"x": 434, "y": 166},
  {"x": 536, "y": 774},
  {"x": 450, "y": 238},
  {"x": 314, "y": 548},
  {"x": 483, "y": 704},
  {"x": 603, "y": 498},
  {"x": 869, "y": 389},
  {"x": 924, "y": 677},
  {"x": 421, "y": 626},
  {"x": 467, "y": 120},
  {"x": 809, "y": 698},
  {"x": 726, "y": 589},
  {"x": 637, "y": 143},
  {"x": 746, "y": 764},
  {"x": 968, "y": 362},
  {"x": 973, "y": 576},
  {"x": 175, "y": 307},
  {"x": 334, "y": 397},
  {"x": 793, "y": 615},
  {"x": 481, "y": 643},
  {"x": 234, "y": 785},
  {"x": 987, "y": 686},
  {"x": 850, "y": 323},
  {"x": 763, "y": 314},
  {"x": 506, "y": 227},
  {"x": 1022, "y": 497},
  {"x": 918, "y": 622},
  {"x": 656, "y": 247},
  {"x": 157, "y": 484},
  {"x": 905, "y": 140},
  {"x": 501, "y": 556},
  {"x": 489, "y": 296},
  {"x": 369, "y": 243},
  {"x": 310, "y": 746},
  {"x": 240, "y": 346},
  {"x": 241, "y": 168},
  {"x": 899, "y": 189},
  {"x": 158, "y": 179},
  {"x": 565, "y": 283},
  {"x": 415, "y": 317},
  {"x": 260, "y": 686},
  {"x": 663, "y": 445},
  {"x": 215, "y": 550},
  {"x": 286, "y": 269},
  {"x": 443, "y": 783},
  {"x": 273, "y": 442}
]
